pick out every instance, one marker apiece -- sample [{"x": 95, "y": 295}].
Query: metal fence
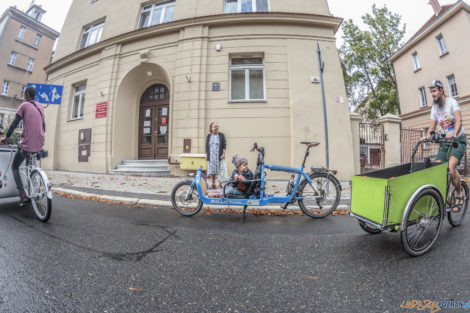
[
  {"x": 411, "y": 136},
  {"x": 371, "y": 137}
]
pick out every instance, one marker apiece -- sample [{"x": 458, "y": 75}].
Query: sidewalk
[{"x": 153, "y": 191}]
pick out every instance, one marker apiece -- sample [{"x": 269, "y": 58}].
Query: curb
[{"x": 159, "y": 203}]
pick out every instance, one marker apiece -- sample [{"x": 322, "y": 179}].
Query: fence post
[
  {"x": 355, "y": 119},
  {"x": 391, "y": 125}
]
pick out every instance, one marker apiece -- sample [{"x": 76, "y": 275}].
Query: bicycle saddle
[{"x": 310, "y": 143}]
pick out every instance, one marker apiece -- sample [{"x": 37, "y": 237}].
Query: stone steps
[{"x": 154, "y": 168}]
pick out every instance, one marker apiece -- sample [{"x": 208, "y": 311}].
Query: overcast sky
[{"x": 414, "y": 12}]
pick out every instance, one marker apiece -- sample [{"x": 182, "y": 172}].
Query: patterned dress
[{"x": 214, "y": 162}]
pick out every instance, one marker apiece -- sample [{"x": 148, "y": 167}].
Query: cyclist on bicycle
[
  {"x": 32, "y": 138},
  {"x": 447, "y": 113}
]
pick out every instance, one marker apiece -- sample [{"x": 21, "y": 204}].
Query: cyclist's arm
[
  {"x": 458, "y": 122},
  {"x": 13, "y": 125}
]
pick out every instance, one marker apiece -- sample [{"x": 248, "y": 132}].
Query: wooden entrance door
[{"x": 154, "y": 120}]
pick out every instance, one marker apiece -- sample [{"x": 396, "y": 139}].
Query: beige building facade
[
  {"x": 25, "y": 49},
  {"x": 143, "y": 80},
  {"x": 439, "y": 50}
]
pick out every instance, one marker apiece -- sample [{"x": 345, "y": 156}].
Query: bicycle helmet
[{"x": 436, "y": 83}]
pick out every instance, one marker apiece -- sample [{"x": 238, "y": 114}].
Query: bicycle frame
[{"x": 262, "y": 200}]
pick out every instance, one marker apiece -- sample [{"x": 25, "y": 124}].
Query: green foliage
[
  {"x": 15, "y": 138},
  {"x": 368, "y": 73}
]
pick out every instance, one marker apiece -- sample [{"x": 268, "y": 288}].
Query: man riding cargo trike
[
  {"x": 411, "y": 198},
  {"x": 317, "y": 193}
]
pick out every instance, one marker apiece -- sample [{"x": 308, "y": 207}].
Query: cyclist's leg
[
  {"x": 17, "y": 160},
  {"x": 454, "y": 174}
]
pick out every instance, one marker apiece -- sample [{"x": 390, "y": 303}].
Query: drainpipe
[{"x": 321, "y": 66}]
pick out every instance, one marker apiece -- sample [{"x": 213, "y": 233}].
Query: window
[
  {"x": 2, "y": 120},
  {"x": 20, "y": 125},
  {"x": 78, "y": 101},
  {"x": 37, "y": 40},
  {"x": 30, "y": 65},
  {"x": 244, "y": 6},
  {"x": 156, "y": 14},
  {"x": 5, "y": 87},
  {"x": 416, "y": 64},
  {"x": 21, "y": 32},
  {"x": 246, "y": 78},
  {"x": 452, "y": 86},
  {"x": 441, "y": 44},
  {"x": 12, "y": 58},
  {"x": 91, "y": 35},
  {"x": 422, "y": 97},
  {"x": 23, "y": 89}
]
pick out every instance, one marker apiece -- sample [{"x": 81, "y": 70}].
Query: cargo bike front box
[{"x": 380, "y": 198}]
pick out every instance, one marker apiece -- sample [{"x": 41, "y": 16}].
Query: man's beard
[{"x": 438, "y": 100}]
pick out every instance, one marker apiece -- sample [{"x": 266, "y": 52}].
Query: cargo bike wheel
[
  {"x": 185, "y": 199},
  {"x": 456, "y": 218},
  {"x": 322, "y": 203},
  {"x": 423, "y": 222}
]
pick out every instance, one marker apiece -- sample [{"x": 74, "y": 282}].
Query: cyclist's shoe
[
  {"x": 458, "y": 204},
  {"x": 23, "y": 200}
]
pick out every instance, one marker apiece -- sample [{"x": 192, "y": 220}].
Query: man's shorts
[{"x": 458, "y": 152}]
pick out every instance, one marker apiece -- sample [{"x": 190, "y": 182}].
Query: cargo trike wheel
[
  {"x": 456, "y": 218},
  {"x": 369, "y": 228},
  {"x": 321, "y": 200},
  {"x": 423, "y": 222},
  {"x": 185, "y": 199}
]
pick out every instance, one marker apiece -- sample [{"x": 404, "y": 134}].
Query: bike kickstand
[{"x": 244, "y": 213}]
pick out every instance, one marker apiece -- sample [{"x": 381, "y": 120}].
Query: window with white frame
[
  {"x": 21, "y": 32},
  {"x": 5, "y": 87},
  {"x": 30, "y": 65},
  {"x": 91, "y": 35},
  {"x": 37, "y": 40},
  {"x": 416, "y": 64},
  {"x": 422, "y": 97},
  {"x": 78, "y": 101},
  {"x": 247, "y": 79},
  {"x": 23, "y": 89},
  {"x": 441, "y": 44},
  {"x": 12, "y": 58},
  {"x": 245, "y": 6},
  {"x": 452, "y": 86},
  {"x": 156, "y": 14},
  {"x": 2, "y": 120}
]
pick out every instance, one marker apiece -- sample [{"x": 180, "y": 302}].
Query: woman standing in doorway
[{"x": 215, "y": 151}]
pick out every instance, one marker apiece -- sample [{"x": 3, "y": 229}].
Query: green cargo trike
[{"x": 411, "y": 198}]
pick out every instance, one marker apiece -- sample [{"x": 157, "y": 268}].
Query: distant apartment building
[
  {"x": 25, "y": 49},
  {"x": 439, "y": 50},
  {"x": 144, "y": 79}
]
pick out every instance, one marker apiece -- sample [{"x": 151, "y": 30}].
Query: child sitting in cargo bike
[{"x": 241, "y": 178}]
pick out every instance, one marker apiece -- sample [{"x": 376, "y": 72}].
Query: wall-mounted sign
[
  {"x": 215, "y": 86},
  {"x": 101, "y": 110},
  {"x": 164, "y": 119}
]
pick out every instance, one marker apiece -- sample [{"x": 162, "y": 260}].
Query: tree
[{"x": 368, "y": 73}]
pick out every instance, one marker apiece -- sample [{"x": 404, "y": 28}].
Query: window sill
[
  {"x": 247, "y": 101},
  {"x": 26, "y": 44},
  {"x": 417, "y": 70},
  {"x": 75, "y": 119},
  {"x": 444, "y": 54},
  {"x": 19, "y": 68}
]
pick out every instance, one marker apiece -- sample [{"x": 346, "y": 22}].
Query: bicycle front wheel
[
  {"x": 41, "y": 204},
  {"x": 185, "y": 199},
  {"x": 456, "y": 218},
  {"x": 423, "y": 222},
  {"x": 321, "y": 197}
]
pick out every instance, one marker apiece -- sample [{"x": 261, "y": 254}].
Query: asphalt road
[{"x": 95, "y": 257}]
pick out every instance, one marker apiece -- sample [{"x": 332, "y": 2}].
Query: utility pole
[{"x": 321, "y": 66}]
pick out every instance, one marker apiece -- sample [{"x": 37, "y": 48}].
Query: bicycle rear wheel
[
  {"x": 456, "y": 218},
  {"x": 324, "y": 200},
  {"x": 423, "y": 222},
  {"x": 41, "y": 204}
]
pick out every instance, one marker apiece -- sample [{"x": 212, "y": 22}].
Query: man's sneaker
[{"x": 23, "y": 200}]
